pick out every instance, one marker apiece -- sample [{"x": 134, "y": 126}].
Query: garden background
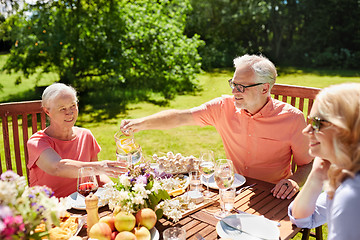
[{"x": 129, "y": 59}]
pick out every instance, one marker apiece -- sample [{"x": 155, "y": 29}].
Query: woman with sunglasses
[{"x": 334, "y": 134}]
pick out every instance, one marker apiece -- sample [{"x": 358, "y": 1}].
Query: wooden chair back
[
  {"x": 298, "y": 96},
  {"x": 16, "y": 118},
  {"x": 303, "y": 99}
]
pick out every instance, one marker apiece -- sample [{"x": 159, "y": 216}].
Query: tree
[
  {"x": 301, "y": 32},
  {"x": 107, "y": 44},
  {"x": 330, "y": 34}
]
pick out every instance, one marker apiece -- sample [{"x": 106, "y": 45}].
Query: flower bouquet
[
  {"x": 23, "y": 208},
  {"x": 143, "y": 187}
]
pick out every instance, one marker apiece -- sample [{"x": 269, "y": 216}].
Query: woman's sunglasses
[{"x": 317, "y": 123}]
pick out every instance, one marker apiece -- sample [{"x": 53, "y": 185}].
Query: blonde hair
[
  {"x": 340, "y": 105},
  {"x": 264, "y": 69}
]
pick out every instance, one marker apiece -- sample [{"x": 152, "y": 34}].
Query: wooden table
[{"x": 257, "y": 200}]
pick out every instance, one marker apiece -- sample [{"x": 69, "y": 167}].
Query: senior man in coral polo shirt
[{"x": 260, "y": 134}]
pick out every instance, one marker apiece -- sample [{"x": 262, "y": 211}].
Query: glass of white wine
[
  {"x": 207, "y": 168},
  {"x": 224, "y": 177}
]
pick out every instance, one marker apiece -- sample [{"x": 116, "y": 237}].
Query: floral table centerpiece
[
  {"x": 143, "y": 187},
  {"x": 23, "y": 208}
]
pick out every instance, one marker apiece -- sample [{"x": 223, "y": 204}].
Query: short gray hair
[
  {"x": 54, "y": 90},
  {"x": 263, "y": 68}
]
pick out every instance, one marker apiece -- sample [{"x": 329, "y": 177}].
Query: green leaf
[{"x": 159, "y": 213}]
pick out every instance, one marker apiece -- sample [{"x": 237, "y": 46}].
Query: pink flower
[{"x": 13, "y": 226}]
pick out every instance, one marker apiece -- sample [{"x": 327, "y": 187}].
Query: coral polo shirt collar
[{"x": 264, "y": 111}]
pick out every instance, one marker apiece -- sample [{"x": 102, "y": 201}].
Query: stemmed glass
[
  {"x": 127, "y": 150},
  {"x": 207, "y": 168},
  {"x": 224, "y": 178},
  {"x": 86, "y": 182}
]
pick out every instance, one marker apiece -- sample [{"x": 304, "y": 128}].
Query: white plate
[
  {"x": 257, "y": 227},
  {"x": 238, "y": 181},
  {"x": 77, "y": 201},
  {"x": 154, "y": 234}
]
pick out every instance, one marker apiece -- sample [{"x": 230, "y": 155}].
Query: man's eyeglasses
[
  {"x": 317, "y": 123},
  {"x": 241, "y": 88}
]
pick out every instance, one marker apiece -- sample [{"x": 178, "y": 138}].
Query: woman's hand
[
  {"x": 305, "y": 202},
  {"x": 319, "y": 170},
  {"x": 110, "y": 168}
]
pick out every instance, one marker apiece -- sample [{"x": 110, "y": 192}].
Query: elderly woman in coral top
[
  {"x": 57, "y": 152},
  {"x": 334, "y": 134}
]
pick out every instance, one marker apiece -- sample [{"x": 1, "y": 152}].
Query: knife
[
  {"x": 236, "y": 223},
  {"x": 233, "y": 222}
]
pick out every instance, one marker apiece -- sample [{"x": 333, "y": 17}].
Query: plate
[
  {"x": 239, "y": 180},
  {"x": 257, "y": 228},
  {"x": 77, "y": 201},
  {"x": 154, "y": 234}
]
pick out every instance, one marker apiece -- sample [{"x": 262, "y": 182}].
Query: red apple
[
  {"x": 109, "y": 220},
  {"x": 146, "y": 217},
  {"x": 114, "y": 234},
  {"x": 100, "y": 231}
]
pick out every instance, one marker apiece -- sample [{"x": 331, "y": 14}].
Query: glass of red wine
[{"x": 86, "y": 182}]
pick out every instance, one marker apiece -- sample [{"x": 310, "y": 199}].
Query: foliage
[
  {"x": 24, "y": 208},
  {"x": 302, "y": 32},
  {"x": 107, "y": 44},
  {"x": 329, "y": 35}
]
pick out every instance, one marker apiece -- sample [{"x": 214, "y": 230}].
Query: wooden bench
[
  {"x": 303, "y": 99},
  {"x": 14, "y": 154}
]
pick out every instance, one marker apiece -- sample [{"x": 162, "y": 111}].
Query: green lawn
[{"x": 186, "y": 140}]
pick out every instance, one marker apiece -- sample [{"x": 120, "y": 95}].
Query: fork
[
  {"x": 82, "y": 221},
  {"x": 244, "y": 188}
]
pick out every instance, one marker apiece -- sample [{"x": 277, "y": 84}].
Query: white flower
[
  {"x": 123, "y": 195},
  {"x": 8, "y": 192},
  {"x": 124, "y": 180},
  {"x": 156, "y": 187},
  {"x": 139, "y": 188},
  {"x": 138, "y": 199}
]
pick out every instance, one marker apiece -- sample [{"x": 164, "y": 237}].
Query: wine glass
[
  {"x": 207, "y": 168},
  {"x": 224, "y": 177},
  {"x": 127, "y": 150},
  {"x": 86, "y": 182}
]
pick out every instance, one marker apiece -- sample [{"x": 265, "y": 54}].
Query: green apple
[
  {"x": 124, "y": 221},
  {"x": 142, "y": 233}
]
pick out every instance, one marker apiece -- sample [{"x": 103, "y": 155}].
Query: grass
[
  {"x": 20, "y": 92},
  {"x": 189, "y": 140}
]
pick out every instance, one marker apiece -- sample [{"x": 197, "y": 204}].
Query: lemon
[
  {"x": 176, "y": 192},
  {"x": 126, "y": 148}
]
